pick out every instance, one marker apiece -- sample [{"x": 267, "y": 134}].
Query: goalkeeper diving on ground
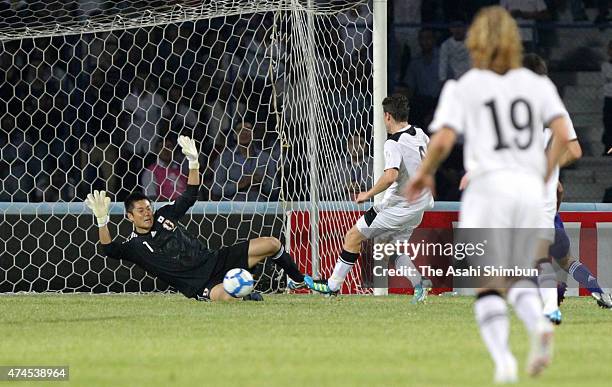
[{"x": 167, "y": 251}]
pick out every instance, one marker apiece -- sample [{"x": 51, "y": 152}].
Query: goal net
[{"x": 277, "y": 94}]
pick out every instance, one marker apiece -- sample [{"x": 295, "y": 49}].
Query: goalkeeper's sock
[
  {"x": 285, "y": 262},
  {"x": 547, "y": 282},
  {"x": 584, "y": 277},
  {"x": 344, "y": 264},
  {"x": 404, "y": 263},
  {"x": 492, "y": 318}
]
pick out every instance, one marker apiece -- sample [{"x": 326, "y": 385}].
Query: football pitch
[{"x": 288, "y": 340}]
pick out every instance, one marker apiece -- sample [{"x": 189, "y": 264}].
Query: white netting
[{"x": 277, "y": 93}]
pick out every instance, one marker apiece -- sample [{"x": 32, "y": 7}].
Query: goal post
[
  {"x": 380, "y": 92},
  {"x": 95, "y": 97}
]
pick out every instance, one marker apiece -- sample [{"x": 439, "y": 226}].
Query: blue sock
[{"x": 584, "y": 277}]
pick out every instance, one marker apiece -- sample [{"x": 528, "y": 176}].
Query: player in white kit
[
  {"x": 394, "y": 218},
  {"x": 547, "y": 278},
  {"x": 560, "y": 247},
  {"x": 500, "y": 109}
]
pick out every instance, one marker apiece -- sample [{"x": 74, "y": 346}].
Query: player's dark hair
[
  {"x": 131, "y": 198},
  {"x": 397, "y": 105},
  {"x": 535, "y": 63}
]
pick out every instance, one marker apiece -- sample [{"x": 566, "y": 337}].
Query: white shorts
[
  {"x": 507, "y": 201},
  {"x": 391, "y": 223},
  {"x": 548, "y": 224},
  {"x": 503, "y": 200}
]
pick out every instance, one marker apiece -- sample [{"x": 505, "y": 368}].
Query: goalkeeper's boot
[
  {"x": 603, "y": 299},
  {"x": 420, "y": 291},
  {"x": 554, "y": 317},
  {"x": 319, "y": 286},
  {"x": 253, "y": 297},
  {"x": 293, "y": 285}
]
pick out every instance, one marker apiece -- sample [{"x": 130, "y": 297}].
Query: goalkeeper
[{"x": 164, "y": 249}]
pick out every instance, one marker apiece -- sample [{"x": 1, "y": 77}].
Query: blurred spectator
[
  {"x": 351, "y": 174},
  {"x": 215, "y": 110},
  {"x": 16, "y": 182},
  {"x": 262, "y": 69},
  {"x": 604, "y": 10},
  {"x": 140, "y": 118},
  {"x": 98, "y": 154},
  {"x": 454, "y": 56},
  {"x": 246, "y": 172},
  {"x": 578, "y": 11},
  {"x": 143, "y": 105},
  {"x": 422, "y": 79},
  {"x": 53, "y": 188},
  {"x": 607, "y": 198},
  {"x": 178, "y": 112},
  {"x": 163, "y": 179},
  {"x": 526, "y": 13},
  {"x": 356, "y": 31},
  {"x": 606, "y": 70},
  {"x": 406, "y": 12}
]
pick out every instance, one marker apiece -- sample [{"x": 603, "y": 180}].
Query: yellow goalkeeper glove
[{"x": 99, "y": 205}]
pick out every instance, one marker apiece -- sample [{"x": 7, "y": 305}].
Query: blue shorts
[{"x": 559, "y": 249}]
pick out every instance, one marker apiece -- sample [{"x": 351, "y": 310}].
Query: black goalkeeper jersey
[{"x": 168, "y": 251}]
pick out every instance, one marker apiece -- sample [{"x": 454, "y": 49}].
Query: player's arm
[
  {"x": 99, "y": 204},
  {"x": 560, "y": 130},
  {"x": 384, "y": 182},
  {"x": 189, "y": 197},
  {"x": 572, "y": 153},
  {"x": 439, "y": 148},
  {"x": 188, "y": 147},
  {"x": 393, "y": 161}
]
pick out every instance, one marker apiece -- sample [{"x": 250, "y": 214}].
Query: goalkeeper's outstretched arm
[
  {"x": 99, "y": 204},
  {"x": 188, "y": 147},
  {"x": 189, "y": 197}
]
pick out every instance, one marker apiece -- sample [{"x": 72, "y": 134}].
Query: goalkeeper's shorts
[{"x": 231, "y": 257}]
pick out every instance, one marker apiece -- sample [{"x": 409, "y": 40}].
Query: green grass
[{"x": 300, "y": 340}]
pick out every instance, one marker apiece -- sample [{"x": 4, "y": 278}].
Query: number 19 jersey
[{"x": 501, "y": 118}]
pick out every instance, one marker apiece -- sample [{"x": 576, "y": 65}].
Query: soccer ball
[{"x": 238, "y": 283}]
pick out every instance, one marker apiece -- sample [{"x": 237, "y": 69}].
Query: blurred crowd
[{"x": 103, "y": 110}]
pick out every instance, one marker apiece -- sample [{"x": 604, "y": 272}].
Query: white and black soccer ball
[{"x": 238, "y": 283}]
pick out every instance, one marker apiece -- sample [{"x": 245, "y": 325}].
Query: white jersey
[
  {"x": 550, "y": 197},
  {"x": 404, "y": 151},
  {"x": 501, "y": 117}
]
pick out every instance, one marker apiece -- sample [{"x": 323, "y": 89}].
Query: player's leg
[
  {"x": 483, "y": 206},
  {"x": 523, "y": 295},
  {"x": 547, "y": 284},
  {"x": 547, "y": 279},
  {"x": 403, "y": 262},
  {"x": 561, "y": 253},
  {"x": 347, "y": 259},
  {"x": 374, "y": 223},
  {"x": 525, "y": 300},
  {"x": 218, "y": 293},
  {"x": 494, "y": 323},
  {"x": 270, "y": 247},
  {"x": 420, "y": 285},
  {"x": 583, "y": 275}
]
